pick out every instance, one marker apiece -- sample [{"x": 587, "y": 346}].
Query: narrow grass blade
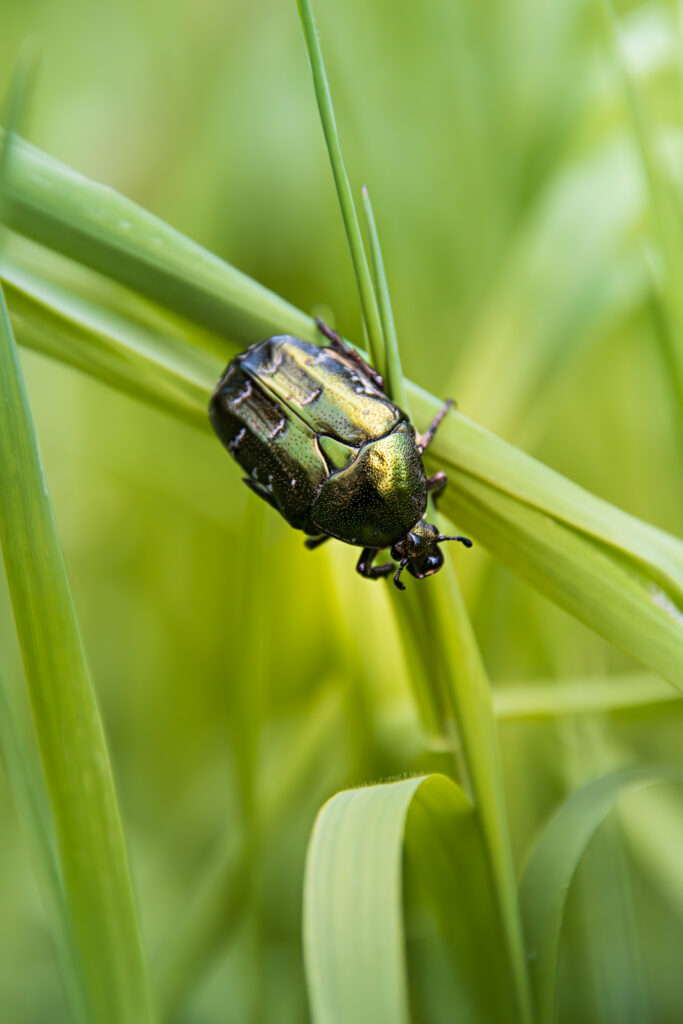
[
  {"x": 161, "y": 369},
  {"x": 556, "y": 698},
  {"x": 90, "y": 845},
  {"x": 31, "y": 804},
  {"x": 391, "y": 370},
  {"x": 452, "y": 673},
  {"x": 368, "y": 846},
  {"x": 448, "y": 670},
  {"x": 665, "y": 205},
  {"x": 552, "y": 865},
  {"x": 366, "y": 292}
]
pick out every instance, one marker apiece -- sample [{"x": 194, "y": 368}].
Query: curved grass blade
[
  {"x": 91, "y": 851},
  {"x": 553, "y": 862},
  {"x": 369, "y": 848},
  {"x": 359, "y": 258}
]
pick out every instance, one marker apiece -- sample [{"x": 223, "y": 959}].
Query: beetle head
[{"x": 419, "y": 550}]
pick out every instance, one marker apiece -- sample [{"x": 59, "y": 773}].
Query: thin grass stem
[
  {"x": 392, "y": 369},
  {"x": 366, "y": 292}
]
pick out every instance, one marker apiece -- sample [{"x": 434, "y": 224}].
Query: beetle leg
[
  {"x": 370, "y": 571},
  {"x": 436, "y": 484},
  {"x": 340, "y": 346},
  {"x": 423, "y": 440},
  {"x": 314, "y": 542}
]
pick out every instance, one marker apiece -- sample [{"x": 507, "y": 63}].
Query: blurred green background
[{"x": 515, "y": 220}]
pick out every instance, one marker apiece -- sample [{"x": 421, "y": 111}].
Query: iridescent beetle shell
[{"x": 322, "y": 443}]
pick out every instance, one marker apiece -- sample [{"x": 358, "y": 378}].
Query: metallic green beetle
[{"x": 323, "y": 445}]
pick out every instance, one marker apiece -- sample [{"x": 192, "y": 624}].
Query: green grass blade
[
  {"x": 89, "y": 838},
  {"x": 453, "y": 674},
  {"x": 448, "y": 669},
  {"x": 553, "y": 862},
  {"x": 366, "y": 291},
  {"x": 621, "y": 576},
  {"x": 159, "y": 368},
  {"x": 665, "y": 205},
  {"x": 590, "y": 695},
  {"x": 50, "y": 203},
  {"x": 212, "y": 914},
  {"x": 392, "y": 370},
  {"x": 367, "y": 848},
  {"x": 31, "y": 805}
]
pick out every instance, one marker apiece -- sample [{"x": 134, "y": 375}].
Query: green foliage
[
  {"x": 91, "y": 854},
  {"x": 522, "y": 166},
  {"x": 372, "y": 849},
  {"x": 552, "y": 864}
]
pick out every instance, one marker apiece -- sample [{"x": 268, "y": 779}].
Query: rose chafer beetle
[{"x": 323, "y": 444}]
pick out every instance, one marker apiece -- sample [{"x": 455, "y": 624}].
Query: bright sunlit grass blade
[
  {"x": 552, "y": 864},
  {"x": 555, "y": 698},
  {"x": 91, "y": 851},
  {"x": 666, "y": 209},
  {"x": 366, "y": 292},
  {"x": 368, "y": 846}
]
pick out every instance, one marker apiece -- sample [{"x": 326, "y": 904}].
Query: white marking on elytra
[
  {"x": 293, "y": 481},
  {"x": 278, "y": 429},
  {"x": 237, "y": 440},
  {"x": 312, "y": 397},
  {"x": 276, "y": 363},
  {"x": 242, "y": 397}
]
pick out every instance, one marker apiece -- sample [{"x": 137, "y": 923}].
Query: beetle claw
[{"x": 401, "y": 586}]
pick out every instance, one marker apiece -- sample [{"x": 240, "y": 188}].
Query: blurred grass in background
[{"x": 516, "y": 220}]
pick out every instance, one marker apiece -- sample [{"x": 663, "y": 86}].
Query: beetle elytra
[{"x": 322, "y": 443}]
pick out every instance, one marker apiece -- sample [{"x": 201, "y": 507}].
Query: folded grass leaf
[
  {"x": 370, "y": 848},
  {"x": 552, "y": 864},
  {"x": 91, "y": 851}
]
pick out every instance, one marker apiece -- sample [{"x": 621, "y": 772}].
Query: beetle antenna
[
  {"x": 463, "y": 540},
  {"x": 401, "y": 586}
]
